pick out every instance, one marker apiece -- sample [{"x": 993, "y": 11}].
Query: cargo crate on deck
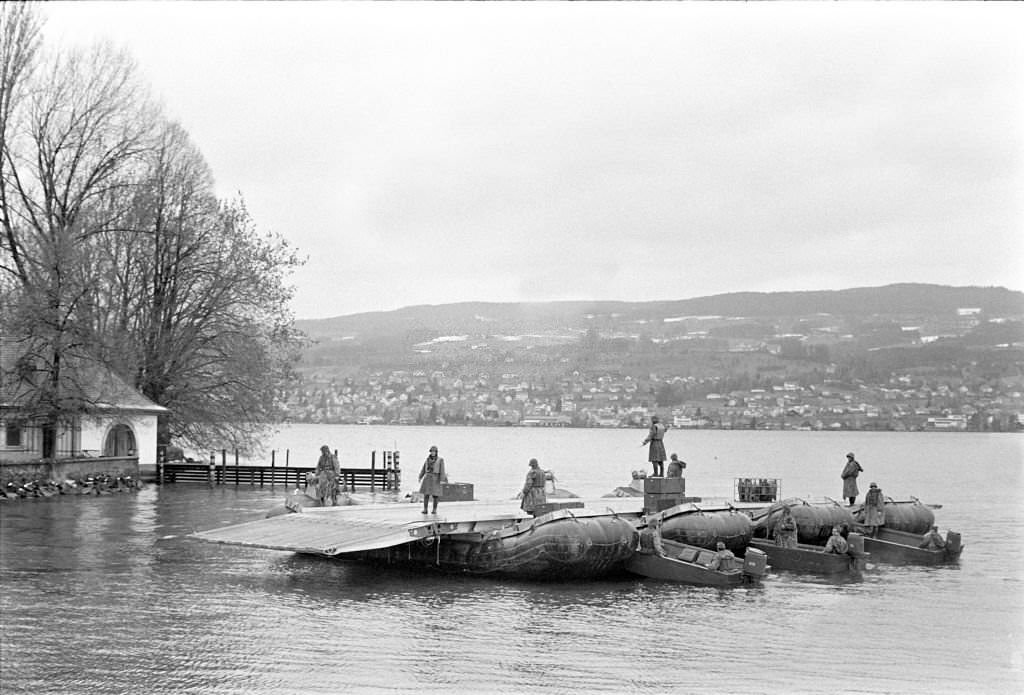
[{"x": 456, "y": 492}]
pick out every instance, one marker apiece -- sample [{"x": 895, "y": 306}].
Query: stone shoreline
[{"x": 100, "y": 484}]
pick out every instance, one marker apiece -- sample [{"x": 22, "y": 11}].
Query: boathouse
[{"x": 114, "y": 433}]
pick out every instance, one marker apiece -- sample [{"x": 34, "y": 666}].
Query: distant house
[
  {"x": 949, "y": 422},
  {"x": 546, "y": 421},
  {"x": 115, "y": 434}
]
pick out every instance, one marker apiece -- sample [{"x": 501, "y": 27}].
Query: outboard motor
[
  {"x": 755, "y": 563},
  {"x": 856, "y": 542},
  {"x": 952, "y": 543}
]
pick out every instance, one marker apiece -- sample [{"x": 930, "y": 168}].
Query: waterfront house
[{"x": 112, "y": 432}]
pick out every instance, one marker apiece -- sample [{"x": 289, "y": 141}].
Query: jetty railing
[{"x": 384, "y": 473}]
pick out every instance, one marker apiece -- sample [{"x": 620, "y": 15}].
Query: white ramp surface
[{"x": 349, "y": 529}]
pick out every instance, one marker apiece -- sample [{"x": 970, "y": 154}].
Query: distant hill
[{"x": 899, "y": 300}]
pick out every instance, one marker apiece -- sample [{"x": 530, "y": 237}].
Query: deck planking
[{"x": 338, "y": 530}]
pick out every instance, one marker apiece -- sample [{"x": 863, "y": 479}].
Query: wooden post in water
[
  {"x": 272, "y": 472},
  {"x": 211, "y": 467},
  {"x": 222, "y": 476},
  {"x": 373, "y": 471},
  {"x": 236, "y": 467},
  {"x": 160, "y": 460},
  {"x": 341, "y": 476}
]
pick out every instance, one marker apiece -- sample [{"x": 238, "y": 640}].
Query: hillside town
[
  {"x": 944, "y": 370},
  {"x": 904, "y": 403}
]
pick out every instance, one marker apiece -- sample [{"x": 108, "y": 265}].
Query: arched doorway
[{"x": 120, "y": 441}]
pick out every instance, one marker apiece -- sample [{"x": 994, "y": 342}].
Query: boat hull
[
  {"x": 901, "y": 548},
  {"x": 809, "y": 559},
  {"x": 670, "y": 565},
  {"x": 654, "y": 566}
]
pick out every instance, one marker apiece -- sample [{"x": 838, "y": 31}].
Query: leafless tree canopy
[{"x": 115, "y": 250}]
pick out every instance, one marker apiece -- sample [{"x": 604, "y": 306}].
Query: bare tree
[
  {"x": 19, "y": 44},
  {"x": 74, "y": 128},
  {"x": 115, "y": 250},
  {"x": 197, "y": 303}
]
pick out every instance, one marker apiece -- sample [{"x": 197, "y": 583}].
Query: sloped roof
[{"x": 95, "y": 383}]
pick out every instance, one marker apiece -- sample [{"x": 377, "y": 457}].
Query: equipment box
[
  {"x": 456, "y": 492},
  {"x": 659, "y": 503},
  {"x": 664, "y": 486}
]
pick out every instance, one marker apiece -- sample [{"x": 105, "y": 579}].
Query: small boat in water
[
  {"x": 902, "y": 548},
  {"x": 678, "y": 562},
  {"x": 812, "y": 559}
]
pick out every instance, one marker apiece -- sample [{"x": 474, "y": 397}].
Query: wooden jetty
[{"x": 383, "y": 474}]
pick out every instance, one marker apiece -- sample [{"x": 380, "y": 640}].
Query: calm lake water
[{"x": 103, "y": 595}]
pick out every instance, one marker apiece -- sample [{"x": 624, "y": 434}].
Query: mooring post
[
  {"x": 236, "y": 467},
  {"x": 160, "y": 468},
  {"x": 212, "y": 466},
  {"x": 222, "y": 474},
  {"x": 272, "y": 472},
  {"x": 373, "y": 471}
]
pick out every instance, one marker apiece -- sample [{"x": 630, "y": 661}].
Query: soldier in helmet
[
  {"x": 432, "y": 474},
  {"x": 656, "y": 453},
  {"x": 533, "y": 494},
  {"x": 836, "y": 543},
  {"x": 849, "y": 475},
  {"x": 874, "y": 509},
  {"x": 724, "y": 560},
  {"x": 933, "y": 540}
]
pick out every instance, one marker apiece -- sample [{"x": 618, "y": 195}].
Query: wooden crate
[{"x": 456, "y": 492}]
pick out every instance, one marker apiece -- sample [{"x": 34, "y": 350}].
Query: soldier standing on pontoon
[
  {"x": 656, "y": 454},
  {"x": 849, "y": 475}
]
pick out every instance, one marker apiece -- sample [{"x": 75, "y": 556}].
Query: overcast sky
[{"x": 430, "y": 153}]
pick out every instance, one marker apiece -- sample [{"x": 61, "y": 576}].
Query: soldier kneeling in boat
[
  {"x": 836, "y": 543},
  {"x": 786, "y": 530},
  {"x": 932, "y": 540},
  {"x": 724, "y": 560}
]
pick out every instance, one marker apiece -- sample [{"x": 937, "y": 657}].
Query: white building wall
[
  {"x": 145, "y": 439},
  {"x": 92, "y": 435},
  {"x": 143, "y": 425}
]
